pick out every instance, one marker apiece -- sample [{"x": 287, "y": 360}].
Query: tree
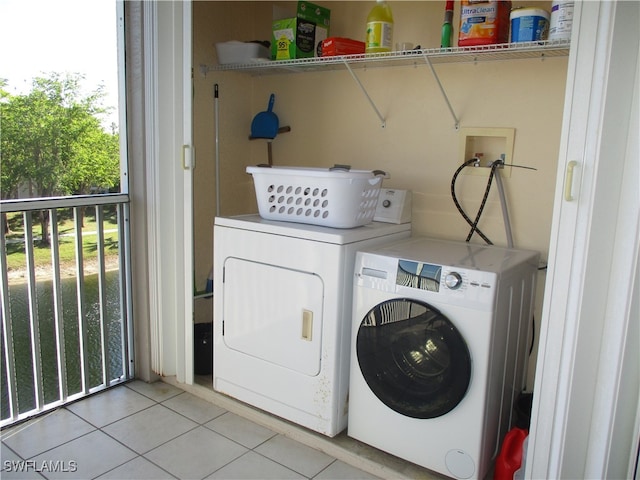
[
  {"x": 53, "y": 140},
  {"x": 95, "y": 162},
  {"x": 11, "y": 119}
]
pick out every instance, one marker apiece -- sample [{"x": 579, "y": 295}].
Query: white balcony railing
[{"x": 66, "y": 302}]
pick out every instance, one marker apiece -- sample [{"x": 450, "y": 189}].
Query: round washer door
[{"x": 413, "y": 358}]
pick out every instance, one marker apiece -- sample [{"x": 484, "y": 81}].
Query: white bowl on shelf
[{"x": 241, "y": 52}]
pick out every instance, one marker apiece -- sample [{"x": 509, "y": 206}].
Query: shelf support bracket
[
  {"x": 444, "y": 94},
  {"x": 373, "y": 105}
]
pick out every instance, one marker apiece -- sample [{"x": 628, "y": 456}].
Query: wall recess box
[{"x": 491, "y": 143}]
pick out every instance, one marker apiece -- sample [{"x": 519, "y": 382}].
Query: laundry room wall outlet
[{"x": 492, "y": 143}]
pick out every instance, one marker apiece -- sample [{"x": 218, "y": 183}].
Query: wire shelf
[{"x": 483, "y": 53}]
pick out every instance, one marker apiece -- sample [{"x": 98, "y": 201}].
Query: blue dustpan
[{"x": 265, "y": 124}]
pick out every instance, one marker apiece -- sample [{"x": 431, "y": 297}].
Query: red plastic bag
[{"x": 510, "y": 458}]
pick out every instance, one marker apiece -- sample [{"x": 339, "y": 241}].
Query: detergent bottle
[
  {"x": 379, "y": 36},
  {"x": 484, "y": 22}
]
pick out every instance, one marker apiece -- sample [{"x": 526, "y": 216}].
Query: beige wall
[{"x": 332, "y": 122}]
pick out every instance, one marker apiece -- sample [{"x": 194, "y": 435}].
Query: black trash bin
[
  {"x": 523, "y": 410},
  {"x": 203, "y": 348}
]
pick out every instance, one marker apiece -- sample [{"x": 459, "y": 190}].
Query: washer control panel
[
  {"x": 408, "y": 277},
  {"x": 456, "y": 279}
]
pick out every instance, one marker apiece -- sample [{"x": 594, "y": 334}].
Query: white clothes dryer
[
  {"x": 282, "y": 314},
  {"x": 439, "y": 350}
]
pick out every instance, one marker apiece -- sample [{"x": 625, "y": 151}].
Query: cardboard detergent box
[{"x": 302, "y": 35}]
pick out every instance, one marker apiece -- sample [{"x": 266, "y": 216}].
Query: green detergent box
[{"x": 301, "y": 36}]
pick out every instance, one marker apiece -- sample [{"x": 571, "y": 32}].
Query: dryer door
[
  {"x": 273, "y": 314},
  {"x": 413, "y": 358}
]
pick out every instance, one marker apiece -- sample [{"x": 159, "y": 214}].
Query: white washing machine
[
  {"x": 439, "y": 350},
  {"x": 282, "y": 315}
]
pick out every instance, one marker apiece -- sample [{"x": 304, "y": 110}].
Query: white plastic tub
[
  {"x": 337, "y": 197},
  {"x": 241, "y": 52}
]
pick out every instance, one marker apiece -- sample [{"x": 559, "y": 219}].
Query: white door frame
[{"x": 586, "y": 394}]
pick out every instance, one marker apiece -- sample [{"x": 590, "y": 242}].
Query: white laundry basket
[{"x": 333, "y": 197}]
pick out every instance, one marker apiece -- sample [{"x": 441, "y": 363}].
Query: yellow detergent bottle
[{"x": 379, "y": 28}]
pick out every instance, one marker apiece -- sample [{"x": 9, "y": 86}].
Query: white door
[
  {"x": 170, "y": 156},
  {"x": 585, "y": 412}
]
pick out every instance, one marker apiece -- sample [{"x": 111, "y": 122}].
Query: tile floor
[{"x": 158, "y": 431}]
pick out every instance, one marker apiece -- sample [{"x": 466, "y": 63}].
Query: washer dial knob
[{"x": 453, "y": 280}]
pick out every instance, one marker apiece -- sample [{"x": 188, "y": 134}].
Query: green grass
[{"x": 16, "y": 256}]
